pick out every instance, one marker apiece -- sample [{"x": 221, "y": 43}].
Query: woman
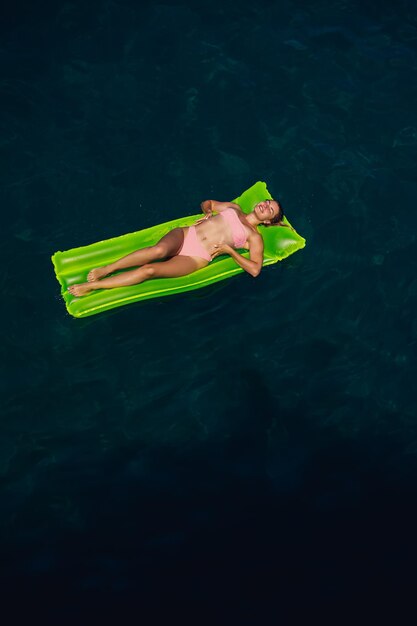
[{"x": 192, "y": 248}]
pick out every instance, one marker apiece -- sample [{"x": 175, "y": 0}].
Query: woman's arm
[
  {"x": 208, "y": 206},
  {"x": 253, "y": 265}
]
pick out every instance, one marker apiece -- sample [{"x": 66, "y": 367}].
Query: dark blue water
[{"x": 249, "y": 449}]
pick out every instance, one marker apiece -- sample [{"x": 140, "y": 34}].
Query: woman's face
[{"x": 266, "y": 210}]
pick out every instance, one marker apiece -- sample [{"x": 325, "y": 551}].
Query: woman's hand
[
  {"x": 220, "y": 248},
  {"x": 202, "y": 219},
  {"x": 207, "y": 210}
]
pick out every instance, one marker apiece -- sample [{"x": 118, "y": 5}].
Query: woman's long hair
[{"x": 278, "y": 219}]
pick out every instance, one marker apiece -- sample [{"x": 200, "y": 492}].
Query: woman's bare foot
[
  {"x": 82, "y": 289},
  {"x": 97, "y": 273}
]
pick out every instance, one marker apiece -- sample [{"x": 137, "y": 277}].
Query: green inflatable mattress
[{"x": 72, "y": 266}]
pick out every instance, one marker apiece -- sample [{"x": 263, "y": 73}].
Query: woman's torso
[{"x": 216, "y": 230}]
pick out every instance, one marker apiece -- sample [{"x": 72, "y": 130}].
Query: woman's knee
[
  {"x": 149, "y": 270},
  {"x": 160, "y": 250}
]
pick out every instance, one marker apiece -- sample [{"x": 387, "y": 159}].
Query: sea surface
[{"x": 247, "y": 451}]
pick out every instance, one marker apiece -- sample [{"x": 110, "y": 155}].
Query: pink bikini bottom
[{"x": 192, "y": 247}]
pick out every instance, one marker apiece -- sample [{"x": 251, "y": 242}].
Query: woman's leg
[
  {"x": 168, "y": 246},
  {"x": 177, "y": 266}
]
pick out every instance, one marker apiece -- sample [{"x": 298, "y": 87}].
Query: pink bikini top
[{"x": 238, "y": 230}]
